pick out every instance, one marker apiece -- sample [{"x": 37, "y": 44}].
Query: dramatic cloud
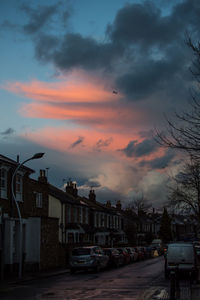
[
  {"x": 140, "y": 149},
  {"x": 81, "y": 98},
  {"x": 38, "y": 17},
  {"x": 159, "y": 162},
  {"x": 8, "y": 131},
  {"x": 77, "y": 142},
  {"x": 81, "y": 123},
  {"x": 103, "y": 143}
]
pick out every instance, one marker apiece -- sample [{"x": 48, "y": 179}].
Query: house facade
[{"x": 38, "y": 241}]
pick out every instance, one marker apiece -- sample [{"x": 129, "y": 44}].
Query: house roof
[
  {"x": 13, "y": 163},
  {"x": 62, "y": 196}
]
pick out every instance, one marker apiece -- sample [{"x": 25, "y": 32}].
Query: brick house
[
  {"x": 107, "y": 221},
  {"x": 39, "y": 236}
]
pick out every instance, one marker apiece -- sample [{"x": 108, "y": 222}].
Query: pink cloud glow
[{"x": 81, "y": 99}]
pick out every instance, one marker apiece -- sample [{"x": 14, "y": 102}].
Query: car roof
[
  {"x": 86, "y": 247},
  {"x": 181, "y": 244}
]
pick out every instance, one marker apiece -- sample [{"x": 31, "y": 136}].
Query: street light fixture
[{"x": 35, "y": 156}]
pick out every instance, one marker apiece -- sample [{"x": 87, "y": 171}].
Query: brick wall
[{"x": 49, "y": 255}]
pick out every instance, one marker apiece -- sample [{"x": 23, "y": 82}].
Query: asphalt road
[{"x": 134, "y": 281}]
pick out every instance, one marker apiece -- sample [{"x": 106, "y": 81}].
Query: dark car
[
  {"x": 131, "y": 253},
  {"x": 84, "y": 258},
  {"x": 140, "y": 253},
  {"x": 149, "y": 252},
  {"x": 116, "y": 258},
  {"x": 126, "y": 255},
  {"x": 144, "y": 251},
  {"x": 181, "y": 257}
]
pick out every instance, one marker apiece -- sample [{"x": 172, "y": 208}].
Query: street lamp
[{"x": 35, "y": 156}]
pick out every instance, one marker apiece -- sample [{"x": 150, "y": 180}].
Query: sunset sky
[{"x": 87, "y": 82}]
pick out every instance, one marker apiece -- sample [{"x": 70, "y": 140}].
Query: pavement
[{"x": 32, "y": 276}]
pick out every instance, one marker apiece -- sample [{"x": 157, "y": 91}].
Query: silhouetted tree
[
  {"x": 184, "y": 132},
  {"x": 140, "y": 206},
  {"x": 185, "y": 190},
  {"x": 165, "y": 227}
]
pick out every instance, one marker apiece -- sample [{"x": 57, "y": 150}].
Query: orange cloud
[
  {"x": 62, "y": 138},
  {"x": 80, "y": 98}
]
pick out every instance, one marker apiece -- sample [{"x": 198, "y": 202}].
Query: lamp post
[{"x": 35, "y": 156}]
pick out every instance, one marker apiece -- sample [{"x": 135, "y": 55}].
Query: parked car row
[{"x": 97, "y": 258}]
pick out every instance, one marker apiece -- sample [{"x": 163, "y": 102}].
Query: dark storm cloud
[
  {"x": 77, "y": 142},
  {"x": 160, "y": 162},
  {"x": 142, "y": 24},
  {"x": 45, "y": 47},
  {"x": 92, "y": 184},
  {"x": 38, "y": 17},
  {"x": 140, "y": 149},
  {"x": 75, "y": 50},
  {"x": 147, "y": 77},
  {"x": 8, "y": 131},
  {"x": 143, "y": 50}
]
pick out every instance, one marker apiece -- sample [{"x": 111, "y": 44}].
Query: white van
[{"x": 181, "y": 256}]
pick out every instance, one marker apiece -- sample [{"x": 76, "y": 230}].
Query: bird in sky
[{"x": 115, "y": 92}]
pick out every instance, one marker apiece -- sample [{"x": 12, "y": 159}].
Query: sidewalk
[{"x": 31, "y": 276}]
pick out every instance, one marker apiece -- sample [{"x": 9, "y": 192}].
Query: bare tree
[
  {"x": 140, "y": 205},
  {"x": 184, "y": 132},
  {"x": 185, "y": 192}
]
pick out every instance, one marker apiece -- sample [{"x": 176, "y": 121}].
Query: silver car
[{"x": 91, "y": 257}]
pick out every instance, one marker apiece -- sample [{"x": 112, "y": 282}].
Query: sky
[{"x": 88, "y": 82}]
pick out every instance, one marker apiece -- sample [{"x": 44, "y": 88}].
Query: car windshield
[
  {"x": 180, "y": 251},
  {"x": 81, "y": 251}
]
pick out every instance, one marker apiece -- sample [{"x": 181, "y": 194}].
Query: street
[{"x": 132, "y": 281}]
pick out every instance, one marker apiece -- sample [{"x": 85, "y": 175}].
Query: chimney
[
  {"x": 71, "y": 188},
  {"x": 118, "y": 205},
  {"x": 42, "y": 177},
  {"x": 92, "y": 196},
  {"x": 108, "y": 204}
]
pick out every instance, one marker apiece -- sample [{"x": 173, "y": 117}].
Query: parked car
[
  {"x": 197, "y": 248},
  {"x": 135, "y": 253},
  {"x": 144, "y": 250},
  {"x": 140, "y": 253},
  {"x": 181, "y": 256},
  {"x": 126, "y": 255},
  {"x": 131, "y": 253},
  {"x": 149, "y": 252},
  {"x": 116, "y": 258},
  {"x": 91, "y": 257}
]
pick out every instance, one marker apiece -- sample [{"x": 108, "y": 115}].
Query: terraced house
[
  {"x": 38, "y": 231},
  {"x": 53, "y": 220}
]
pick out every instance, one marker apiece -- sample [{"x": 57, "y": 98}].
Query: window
[
  {"x": 3, "y": 183},
  {"x": 68, "y": 214},
  {"x": 80, "y": 215},
  {"x": 70, "y": 237},
  {"x": 86, "y": 215},
  {"x": 18, "y": 186},
  {"x": 38, "y": 197},
  {"x": 75, "y": 215}
]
